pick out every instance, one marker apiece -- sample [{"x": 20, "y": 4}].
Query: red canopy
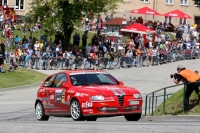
[
  {"x": 138, "y": 28},
  {"x": 145, "y": 10},
  {"x": 177, "y": 13}
]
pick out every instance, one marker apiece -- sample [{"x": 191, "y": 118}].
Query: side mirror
[
  {"x": 46, "y": 84},
  {"x": 65, "y": 85},
  {"x": 121, "y": 83}
]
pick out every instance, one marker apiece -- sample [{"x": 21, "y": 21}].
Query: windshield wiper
[{"x": 105, "y": 83}]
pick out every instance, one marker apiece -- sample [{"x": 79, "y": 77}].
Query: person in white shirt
[
  {"x": 1, "y": 20},
  {"x": 36, "y": 45}
]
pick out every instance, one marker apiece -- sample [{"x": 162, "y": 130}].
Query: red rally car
[{"x": 86, "y": 95}]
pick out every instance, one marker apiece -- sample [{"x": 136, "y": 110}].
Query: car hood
[{"x": 107, "y": 90}]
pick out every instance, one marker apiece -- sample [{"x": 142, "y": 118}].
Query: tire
[
  {"x": 39, "y": 112},
  {"x": 133, "y": 117},
  {"x": 92, "y": 118},
  {"x": 75, "y": 111}
]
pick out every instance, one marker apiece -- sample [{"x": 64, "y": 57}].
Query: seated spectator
[
  {"x": 13, "y": 66},
  {"x": 2, "y": 68}
]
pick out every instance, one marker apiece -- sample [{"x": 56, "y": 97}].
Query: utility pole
[{"x": 153, "y": 7}]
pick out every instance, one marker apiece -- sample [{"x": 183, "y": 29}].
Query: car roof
[{"x": 81, "y": 71}]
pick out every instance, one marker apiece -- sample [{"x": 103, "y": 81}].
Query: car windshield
[{"x": 92, "y": 79}]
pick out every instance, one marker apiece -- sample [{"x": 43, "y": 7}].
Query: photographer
[{"x": 186, "y": 75}]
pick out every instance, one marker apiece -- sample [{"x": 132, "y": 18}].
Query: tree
[{"x": 66, "y": 13}]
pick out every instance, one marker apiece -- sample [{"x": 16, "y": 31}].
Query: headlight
[
  {"x": 137, "y": 95},
  {"x": 97, "y": 98}
]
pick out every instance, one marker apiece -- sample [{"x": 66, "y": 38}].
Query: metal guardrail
[{"x": 149, "y": 105}]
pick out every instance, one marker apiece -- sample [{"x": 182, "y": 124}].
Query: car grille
[{"x": 121, "y": 100}]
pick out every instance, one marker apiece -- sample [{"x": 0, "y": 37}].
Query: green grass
[
  {"x": 37, "y": 35},
  {"x": 20, "y": 77},
  {"x": 174, "y": 105}
]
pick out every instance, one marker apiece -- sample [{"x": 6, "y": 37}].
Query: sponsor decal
[
  {"x": 149, "y": 12},
  {"x": 71, "y": 91},
  {"x": 117, "y": 91},
  {"x": 44, "y": 103},
  {"x": 86, "y": 104},
  {"x": 81, "y": 94},
  {"x": 49, "y": 104},
  {"x": 171, "y": 14},
  {"x": 60, "y": 96},
  {"x": 68, "y": 98},
  {"x": 87, "y": 73},
  {"x": 51, "y": 97},
  {"x": 88, "y": 110}
]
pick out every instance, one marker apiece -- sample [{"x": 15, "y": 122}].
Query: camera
[{"x": 174, "y": 75}]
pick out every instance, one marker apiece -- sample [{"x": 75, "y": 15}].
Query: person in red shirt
[
  {"x": 7, "y": 31},
  {"x": 94, "y": 60}
]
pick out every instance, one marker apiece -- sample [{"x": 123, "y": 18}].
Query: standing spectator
[
  {"x": 139, "y": 56},
  {"x": 86, "y": 29},
  {"x": 1, "y": 20},
  {"x": 7, "y": 55},
  {"x": 30, "y": 52},
  {"x": 76, "y": 39},
  {"x": 84, "y": 39},
  {"x": 60, "y": 60},
  {"x": 2, "y": 46},
  {"x": 37, "y": 57},
  {"x": 32, "y": 58},
  {"x": 44, "y": 58},
  {"x": 2, "y": 57},
  {"x": 24, "y": 39}
]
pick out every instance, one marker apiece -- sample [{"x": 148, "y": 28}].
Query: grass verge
[
  {"x": 37, "y": 35},
  {"x": 20, "y": 77},
  {"x": 174, "y": 105}
]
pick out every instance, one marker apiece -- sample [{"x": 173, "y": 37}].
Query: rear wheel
[
  {"x": 75, "y": 111},
  {"x": 92, "y": 118},
  {"x": 39, "y": 111},
  {"x": 133, "y": 117}
]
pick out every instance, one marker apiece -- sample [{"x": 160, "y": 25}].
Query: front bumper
[{"x": 112, "y": 108}]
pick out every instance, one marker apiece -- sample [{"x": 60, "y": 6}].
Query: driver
[{"x": 186, "y": 75}]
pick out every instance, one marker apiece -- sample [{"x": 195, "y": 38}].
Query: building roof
[{"x": 115, "y": 21}]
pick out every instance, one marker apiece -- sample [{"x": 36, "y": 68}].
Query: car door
[
  {"x": 57, "y": 95},
  {"x": 45, "y": 90}
]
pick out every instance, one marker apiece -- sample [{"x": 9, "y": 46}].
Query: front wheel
[
  {"x": 133, "y": 117},
  {"x": 75, "y": 111},
  {"x": 39, "y": 111}
]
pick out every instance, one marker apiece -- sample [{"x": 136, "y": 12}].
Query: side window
[
  {"x": 60, "y": 78},
  {"x": 48, "y": 82}
]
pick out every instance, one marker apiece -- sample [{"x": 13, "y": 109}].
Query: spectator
[{"x": 2, "y": 68}]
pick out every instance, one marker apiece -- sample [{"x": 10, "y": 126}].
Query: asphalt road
[{"x": 17, "y": 107}]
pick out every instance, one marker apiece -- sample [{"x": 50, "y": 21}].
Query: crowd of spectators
[{"x": 102, "y": 52}]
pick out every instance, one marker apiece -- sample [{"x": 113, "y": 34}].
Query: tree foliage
[{"x": 64, "y": 14}]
